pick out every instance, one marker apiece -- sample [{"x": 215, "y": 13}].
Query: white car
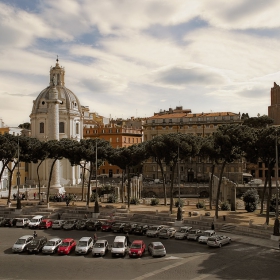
[
  {"x": 167, "y": 232},
  {"x": 51, "y": 246},
  {"x": 182, "y": 233},
  {"x": 84, "y": 245},
  {"x": 153, "y": 231},
  {"x": 193, "y": 234},
  {"x": 21, "y": 243},
  {"x": 100, "y": 248},
  {"x": 22, "y": 222},
  {"x": 205, "y": 235},
  {"x": 218, "y": 240}
]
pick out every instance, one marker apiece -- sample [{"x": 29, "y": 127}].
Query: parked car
[
  {"x": 167, "y": 232},
  {"x": 81, "y": 224},
  {"x": 2, "y": 222},
  {"x": 107, "y": 226},
  {"x": 9, "y": 222},
  {"x": 141, "y": 229},
  {"x": 84, "y": 245},
  {"x": 51, "y": 246},
  {"x": 22, "y": 222},
  {"x": 58, "y": 224},
  {"x": 129, "y": 228},
  {"x": 137, "y": 248},
  {"x": 93, "y": 225},
  {"x": 36, "y": 245},
  {"x": 120, "y": 246},
  {"x": 182, "y": 233},
  {"x": 117, "y": 227},
  {"x": 100, "y": 248},
  {"x": 153, "y": 231},
  {"x": 156, "y": 249},
  {"x": 21, "y": 243},
  {"x": 35, "y": 221},
  {"x": 194, "y": 234},
  {"x": 203, "y": 238},
  {"x": 66, "y": 247},
  {"x": 69, "y": 224},
  {"x": 218, "y": 240},
  {"x": 45, "y": 224}
]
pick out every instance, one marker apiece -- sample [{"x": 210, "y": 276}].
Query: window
[
  {"x": 77, "y": 128},
  {"x": 110, "y": 140},
  {"x": 103, "y": 131},
  {"x": 61, "y": 127},
  {"x": 163, "y": 120},
  {"x": 170, "y": 120},
  {"x": 117, "y": 139},
  {"x": 42, "y": 127},
  {"x": 124, "y": 140}
]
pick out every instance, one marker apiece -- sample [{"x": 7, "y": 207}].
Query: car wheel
[{"x": 220, "y": 245}]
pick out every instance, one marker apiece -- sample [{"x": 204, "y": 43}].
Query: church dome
[{"x": 68, "y": 100}]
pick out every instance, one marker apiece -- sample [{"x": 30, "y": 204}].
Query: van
[
  {"x": 35, "y": 221},
  {"x": 119, "y": 247}
]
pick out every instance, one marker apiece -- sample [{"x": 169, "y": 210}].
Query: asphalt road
[{"x": 184, "y": 260}]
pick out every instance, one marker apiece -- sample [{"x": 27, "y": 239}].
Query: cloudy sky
[{"x": 128, "y": 58}]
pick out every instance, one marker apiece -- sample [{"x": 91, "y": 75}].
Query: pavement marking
[{"x": 147, "y": 275}]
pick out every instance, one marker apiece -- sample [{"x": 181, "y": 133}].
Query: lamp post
[{"x": 18, "y": 179}]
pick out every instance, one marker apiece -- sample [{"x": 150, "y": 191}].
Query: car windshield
[
  {"x": 135, "y": 246},
  {"x": 82, "y": 244},
  {"x": 193, "y": 232},
  {"x": 183, "y": 230},
  {"x": 118, "y": 244},
  {"x": 153, "y": 228},
  {"x": 34, "y": 242},
  {"x": 207, "y": 234},
  {"x": 159, "y": 247},
  {"x": 70, "y": 222},
  {"x": 50, "y": 243},
  {"x": 163, "y": 231},
  {"x": 65, "y": 244},
  {"x": 212, "y": 239},
  {"x": 43, "y": 223},
  {"x": 34, "y": 221},
  {"x": 20, "y": 241},
  {"x": 117, "y": 225},
  {"x": 56, "y": 222},
  {"x": 99, "y": 245}
]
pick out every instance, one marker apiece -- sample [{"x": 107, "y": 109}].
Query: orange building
[{"x": 118, "y": 136}]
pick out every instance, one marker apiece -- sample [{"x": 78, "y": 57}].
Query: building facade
[
  {"x": 56, "y": 114},
  {"x": 183, "y": 121}
]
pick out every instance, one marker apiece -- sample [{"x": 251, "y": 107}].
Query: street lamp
[{"x": 18, "y": 179}]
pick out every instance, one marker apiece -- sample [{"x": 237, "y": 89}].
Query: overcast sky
[{"x": 128, "y": 58}]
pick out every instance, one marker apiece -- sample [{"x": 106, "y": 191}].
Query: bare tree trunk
[
  {"x": 269, "y": 195},
  {"x": 263, "y": 195},
  {"x": 83, "y": 179},
  {"x": 218, "y": 190},
  {"x": 164, "y": 184},
  {"x": 128, "y": 188},
  {"x": 88, "y": 189},
  {"x": 10, "y": 172},
  {"x": 171, "y": 188},
  {"x": 39, "y": 181},
  {"x": 122, "y": 191},
  {"x": 49, "y": 182},
  {"x": 211, "y": 186}
]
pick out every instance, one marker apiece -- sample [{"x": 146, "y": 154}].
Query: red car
[
  {"x": 107, "y": 226},
  {"x": 66, "y": 246},
  {"x": 137, "y": 248},
  {"x": 46, "y": 223}
]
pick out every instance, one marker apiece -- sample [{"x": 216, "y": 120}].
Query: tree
[
  {"x": 230, "y": 143},
  {"x": 258, "y": 122},
  {"x": 251, "y": 200}
]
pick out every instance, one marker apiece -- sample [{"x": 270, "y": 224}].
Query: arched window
[
  {"x": 77, "y": 128},
  {"x": 42, "y": 127},
  {"x": 61, "y": 127}
]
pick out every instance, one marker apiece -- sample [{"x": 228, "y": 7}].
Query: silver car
[
  {"x": 182, "y": 233},
  {"x": 194, "y": 234},
  {"x": 203, "y": 238},
  {"x": 84, "y": 245},
  {"x": 153, "y": 231},
  {"x": 22, "y": 222},
  {"x": 156, "y": 249},
  {"x": 51, "y": 246},
  {"x": 100, "y": 248},
  {"x": 167, "y": 232},
  {"x": 218, "y": 241},
  {"x": 57, "y": 224},
  {"x": 21, "y": 243}
]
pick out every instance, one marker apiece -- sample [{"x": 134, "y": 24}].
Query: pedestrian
[
  {"x": 95, "y": 238},
  {"x": 212, "y": 226},
  {"x": 127, "y": 239},
  {"x": 85, "y": 216},
  {"x": 34, "y": 195},
  {"x": 14, "y": 195},
  {"x": 34, "y": 234},
  {"x": 58, "y": 216}
]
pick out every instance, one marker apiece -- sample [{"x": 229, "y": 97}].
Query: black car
[
  {"x": 2, "y": 222},
  {"x": 141, "y": 229},
  {"x": 93, "y": 225},
  {"x": 36, "y": 245},
  {"x": 81, "y": 224},
  {"x": 69, "y": 224},
  {"x": 9, "y": 222},
  {"x": 129, "y": 228},
  {"x": 117, "y": 227}
]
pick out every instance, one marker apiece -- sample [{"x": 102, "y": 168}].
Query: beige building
[{"x": 181, "y": 120}]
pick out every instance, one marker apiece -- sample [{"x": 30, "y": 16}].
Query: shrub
[
  {"x": 199, "y": 205},
  {"x": 251, "y": 200},
  {"x": 154, "y": 201},
  {"x": 225, "y": 206},
  {"x": 134, "y": 201},
  {"x": 112, "y": 199},
  {"x": 179, "y": 202}
]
